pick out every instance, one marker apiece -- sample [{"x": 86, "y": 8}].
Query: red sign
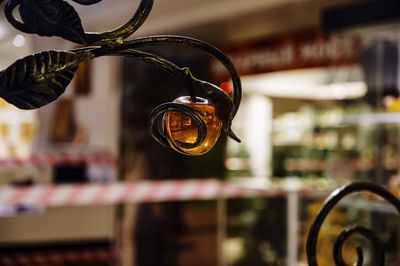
[{"x": 306, "y": 49}]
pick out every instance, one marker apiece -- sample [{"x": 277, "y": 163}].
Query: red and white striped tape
[
  {"x": 136, "y": 192},
  {"x": 50, "y": 159},
  {"x": 80, "y": 256}
]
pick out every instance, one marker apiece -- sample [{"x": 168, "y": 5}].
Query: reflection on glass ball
[{"x": 180, "y": 128}]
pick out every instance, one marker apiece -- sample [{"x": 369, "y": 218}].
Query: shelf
[
  {"x": 379, "y": 206},
  {"x": 372, "y": 118},
  {"x": 81, "y": 256},
  {"x": 61, "y": 158}
]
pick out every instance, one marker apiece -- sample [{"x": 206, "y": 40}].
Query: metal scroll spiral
[
  {"x": 39, "y": 79},
  {"x": 376, "y": 244}
]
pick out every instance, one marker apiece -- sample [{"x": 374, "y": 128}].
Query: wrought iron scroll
[
  {"x": 39, "y": 79},
  {"x": 377, "y": 245}
]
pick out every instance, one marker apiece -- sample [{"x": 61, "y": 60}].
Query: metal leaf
[
  {"x": 52, "y": 18},
  {"x": 87, "y": 2},
  {"x": 39, "y": 79}
]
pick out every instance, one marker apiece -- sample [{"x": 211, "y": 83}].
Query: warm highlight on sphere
[{"x": 180, "y": 128}]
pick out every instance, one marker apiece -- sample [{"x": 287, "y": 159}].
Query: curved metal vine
[
  {"x": 37, "y": 80},
  {"x": 174, "y": 107},
  {"x": 87, "y": 2},
  {"x": 330, "y": 203}
]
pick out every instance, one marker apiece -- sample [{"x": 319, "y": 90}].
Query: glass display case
[
  {"x": 327, "y": 127},
  {"x": 322, "y": 144}
]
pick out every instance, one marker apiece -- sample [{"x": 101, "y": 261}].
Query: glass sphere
[{"x": 180, "y": 128}]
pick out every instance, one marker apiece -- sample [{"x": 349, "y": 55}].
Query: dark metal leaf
[
  {"x": 52, "y": 18},
  {"x": 87, "y": 2},
  {"x": 39, "y": 79}
]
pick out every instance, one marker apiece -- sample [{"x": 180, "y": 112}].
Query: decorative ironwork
[
  {"x": 376, "y": 244},
  {"x": 39, "y": 79}
]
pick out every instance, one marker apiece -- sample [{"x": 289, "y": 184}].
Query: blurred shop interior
[{"x": 320, "y": 108}]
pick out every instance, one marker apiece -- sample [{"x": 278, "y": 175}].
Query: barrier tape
[
  {"x": 135, "y": 192},
  {"x": 113, "y": 193},
  {"x": 80, "y": 256}
]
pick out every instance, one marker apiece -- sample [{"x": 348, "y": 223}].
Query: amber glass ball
[{"x": 180, "y": 128}]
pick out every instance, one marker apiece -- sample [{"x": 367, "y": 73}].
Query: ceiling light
[
  {"x": 19, "y": 40},
  {"x": 311, "y": 84}
]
